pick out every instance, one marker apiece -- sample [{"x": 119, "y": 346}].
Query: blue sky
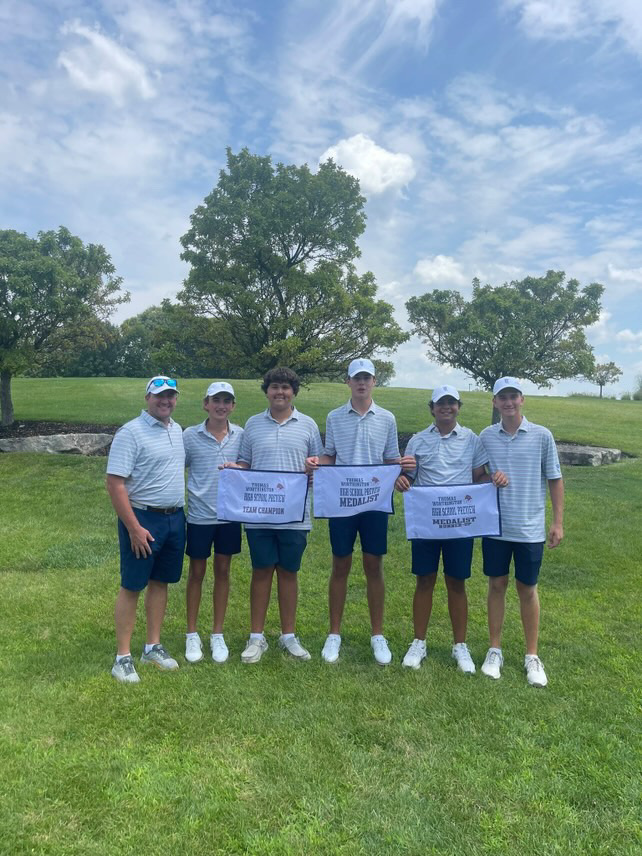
[{"x": 496, "y": 139}]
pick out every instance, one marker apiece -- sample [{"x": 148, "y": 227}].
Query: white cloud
[
  {"x": 102, "y": 66},
  {"x": 376, "y": 168},
  {"x": 622, "y": 275},
  {"x": 582, "y": 19},
  {"x": 475, "y": 100},
  {"x": 629, "y": 340},
  {"x": 440, "y": 270}
]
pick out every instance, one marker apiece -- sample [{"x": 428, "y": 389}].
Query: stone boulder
[
  {"x": 70, "y": 444},
  {"x": 586, "y": 456}
]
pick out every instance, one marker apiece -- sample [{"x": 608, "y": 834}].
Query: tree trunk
[
  {"x": 6, "y": 404},
  {"x": 600, "y": 390}
]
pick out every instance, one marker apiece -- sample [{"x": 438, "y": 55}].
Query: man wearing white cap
[
  {"x": 146, "y": 484},
  {"x": 359, "y": 433},
  {"x": 446, "y": 453},
  {"x": 526, "y": 453},
  {"x": 208, "y": 447}
]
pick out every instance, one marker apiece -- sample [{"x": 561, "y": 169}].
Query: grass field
[{"x": 302, "y": 758}]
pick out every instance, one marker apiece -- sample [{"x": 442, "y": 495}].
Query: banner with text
[
  {"x": 261, "y": 496},
  {"x": 452, "y": 511},
  {"x": 346, "y": 491}
]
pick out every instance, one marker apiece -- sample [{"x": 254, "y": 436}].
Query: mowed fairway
[{"x": 305, "y": 758}]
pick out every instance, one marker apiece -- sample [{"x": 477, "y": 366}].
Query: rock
[
  {"x": 71, "y": 444},
  {"x": 586, "y": 456}
]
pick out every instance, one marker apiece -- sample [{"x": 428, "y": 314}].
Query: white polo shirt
[
  {"x": 150, "y": 456},
  {"x": 358, "y": 439},
  {"x": 447, "y": 459},
  {"x": 529, "y": 458},
  {"x": 203, "y": 456},
  {"x": 280, "y": 446}
]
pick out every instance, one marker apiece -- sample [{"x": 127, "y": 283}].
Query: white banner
[
  {"x": 346, "y": 491},
  {"x": 261, "y": 496},
  {"x": 452, "y": 511}
]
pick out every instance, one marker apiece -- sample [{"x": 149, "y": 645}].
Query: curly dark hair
[{"x": 280, "y": 374}]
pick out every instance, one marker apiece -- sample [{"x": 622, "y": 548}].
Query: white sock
[
  {"x": 120, "y": 657},
  {"x": 334, "y": 636},
  {"x": 496, "y": 650},
  {"x": 192, "y": 635},
  {"x": 214, "y": 636},
  {"x": 256, "y": 637},
  {"x": 148, "y": 648},
  {"x": 286, "y": 636}
]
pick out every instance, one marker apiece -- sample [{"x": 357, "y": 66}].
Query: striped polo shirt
[
  {"x": 358, "y": 439},
  {"x": 529, "y": 458},
  {"x": 203, "y": 456},
  {"x": 281, "y": 446},
  {"x": 447, "y": 459},
  {"x": 150, "y": 456}
]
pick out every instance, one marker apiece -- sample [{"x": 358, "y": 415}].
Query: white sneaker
[
  {"x": 535, "y": 674},
  {"x": 193, "y": 649},
  {"x": 491, "y": 667},
  {"x": 381, "y": 651},
  {"x": 415, "y": 654},
  {"x": 254, "y": 650},
  {"x": 330, "y": 651},
  {"x": 220, "y": 651},
  {"x": 125, "y": 671},
  {"x": 464, "y": 660},
  {"x": 294, "y": 648}
]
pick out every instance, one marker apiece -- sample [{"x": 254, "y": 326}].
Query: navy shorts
[
  {"x": 165, "y": 564},
  {"x": 372, "y": 527},
  {"x": 282, "y": 547},
  {"x": 456, "y": 553},
  {"x": 498, "y": 554},
  {"x": 224, "y": 537}
]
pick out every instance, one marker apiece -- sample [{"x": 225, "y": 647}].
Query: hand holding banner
[
  {"x": 346, "y": 491},
  {"x": 452, "y": 511},
  {"x": 261, "y": 496}
]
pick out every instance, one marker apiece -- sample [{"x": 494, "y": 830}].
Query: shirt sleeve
[
  {"x": 187, "y": 443},
  {"x": 480, "y": 455},
  {"x": 550, "y": 459},
  {"x": 245, "y": 447},
  {"x": 315, "y": 444},
  {"x": 122, "y": 454},
  {"x": 392, "y": 441},
  {"x": 330, "y": 448}
]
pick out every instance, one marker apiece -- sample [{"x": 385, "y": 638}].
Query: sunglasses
[{"x": 161, "y": 381}]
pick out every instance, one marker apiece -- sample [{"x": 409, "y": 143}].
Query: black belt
[{"x": 159, "y": 510}]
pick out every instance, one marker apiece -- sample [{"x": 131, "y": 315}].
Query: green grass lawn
[{"x": 302, "y": 758}]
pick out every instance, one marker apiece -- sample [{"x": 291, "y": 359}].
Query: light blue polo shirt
[
  {"x": 358, "y": 439},
  {"x": 150, "y": 456},
  {"x": 448, "y": 459},
  {"x": 281, "y": 446},
  {"x": 529, "y": 458},
  {"x": 203, "y": 456}
]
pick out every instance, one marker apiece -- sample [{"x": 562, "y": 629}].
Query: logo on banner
[{"x": 263, "y": 498}]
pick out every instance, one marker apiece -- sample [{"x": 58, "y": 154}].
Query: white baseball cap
[
  {"x": 361, "y": 365},
  {"x": 507, "y": 383},
  {"x": 160, "y": 383},
  {"x": 440, "y": 391},
  {"x": 220, "y": 386}
]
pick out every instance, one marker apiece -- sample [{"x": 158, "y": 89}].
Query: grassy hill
[{"x": 302, "y": 758}]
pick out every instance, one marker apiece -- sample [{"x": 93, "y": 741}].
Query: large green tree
[
  {"x": 605, "y": 373},
  {"x": 271, "y": 253},
  {"x": 532, "y": 329},
  {"x": 50, "y": 288}
]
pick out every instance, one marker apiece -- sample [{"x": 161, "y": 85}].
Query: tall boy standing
[
  {"x": 208, "y": 446},
  {"x": 359, "y": 433},
  {"x": 526, "y": 453},
  {"x": 280, "y": 438}
]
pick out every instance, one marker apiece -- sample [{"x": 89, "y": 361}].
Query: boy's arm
[{"x": 556, "y": 531}]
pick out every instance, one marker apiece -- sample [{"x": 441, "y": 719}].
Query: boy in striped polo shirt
[
  {"x": 278, "y": 439},
  {"x": 527, "y": 455},
  {"x": 359, "y": 433},
  {"x": 208, "y": 447}
]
